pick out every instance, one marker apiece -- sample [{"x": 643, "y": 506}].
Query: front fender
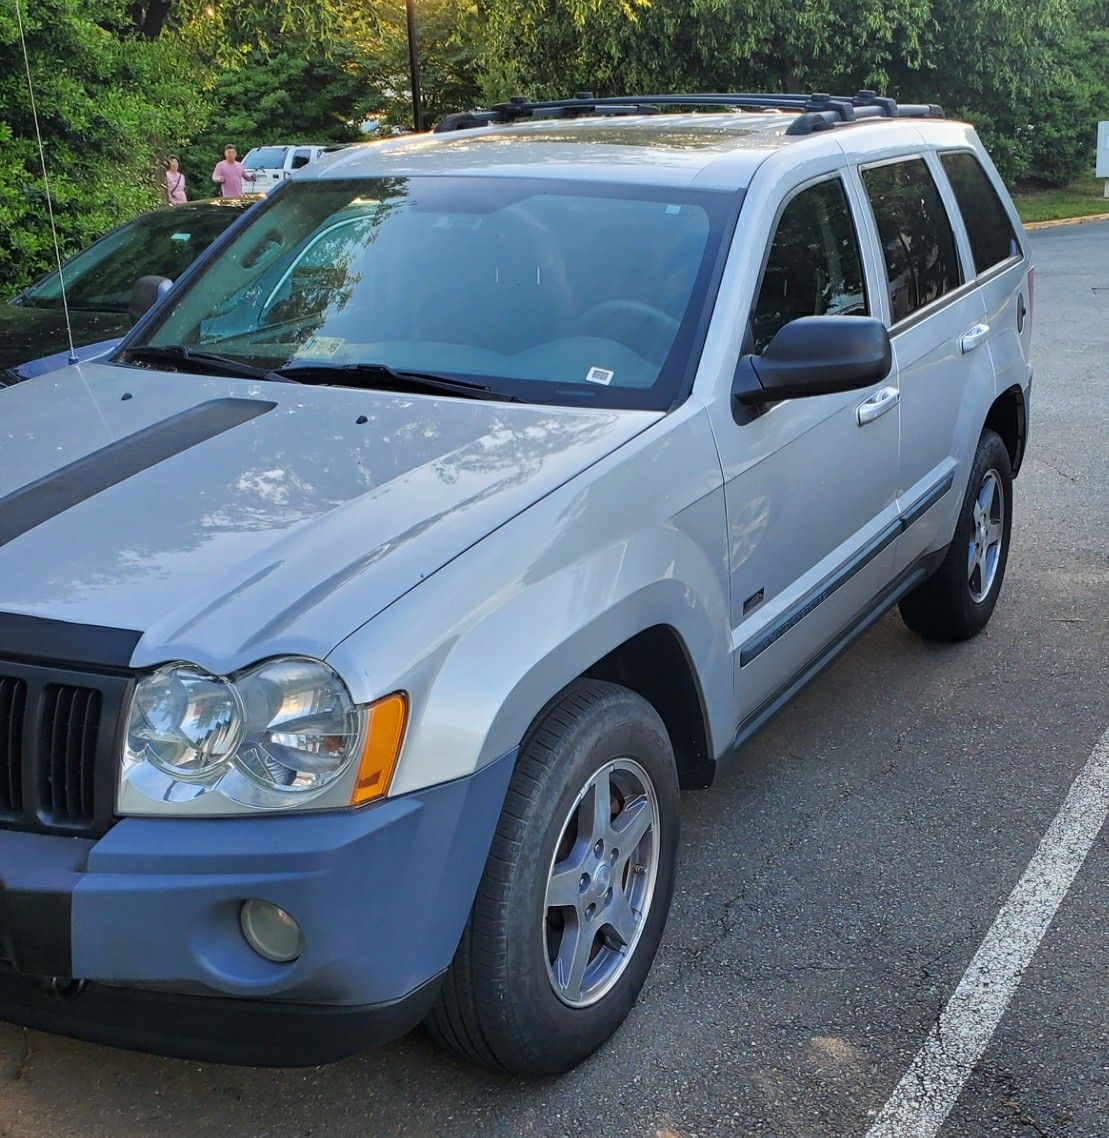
[{"x": 636, "y": 541}]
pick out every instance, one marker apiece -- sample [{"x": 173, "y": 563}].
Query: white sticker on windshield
[
  {"x": 320, "y": 348},
  {"x": 599, "y": 375},
  {"x": 182, "y": 237}
]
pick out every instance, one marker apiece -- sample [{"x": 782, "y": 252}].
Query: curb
[{"x": 1066, "y": 221}]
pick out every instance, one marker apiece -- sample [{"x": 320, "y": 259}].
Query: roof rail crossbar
[{"x": 814, "y": 112}]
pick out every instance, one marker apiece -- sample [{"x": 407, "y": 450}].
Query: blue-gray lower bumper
[{"x": 148, "y": 917}]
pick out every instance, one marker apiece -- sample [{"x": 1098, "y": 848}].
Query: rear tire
[
  {"x": 956, "y": 602},
  {"x": 554, "y": 955}
]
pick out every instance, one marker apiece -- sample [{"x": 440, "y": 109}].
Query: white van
[{"x": 271, "y": 165}]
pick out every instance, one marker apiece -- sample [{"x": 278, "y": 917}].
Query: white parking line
[{"x": 925, "y": 1096}]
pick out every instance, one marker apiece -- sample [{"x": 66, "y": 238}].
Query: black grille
[
  {"x": 67, "y": 767},
  {"x": 59, "y": 745},
  {"x": 13, "y": 701}
]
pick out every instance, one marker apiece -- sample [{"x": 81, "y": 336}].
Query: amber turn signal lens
[{"x": 385, "y": 725}]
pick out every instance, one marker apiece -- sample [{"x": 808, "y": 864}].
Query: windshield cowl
[{"x": 380, "y": 375}]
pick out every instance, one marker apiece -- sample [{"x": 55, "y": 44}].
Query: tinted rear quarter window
[
  {"x": 992, "y": 239},
  {"x": 917, "y": 240}
]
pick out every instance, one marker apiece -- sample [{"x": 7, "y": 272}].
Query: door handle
[
  {"x": 972, "y": 337},
  {"x": 877, "y": 405}
]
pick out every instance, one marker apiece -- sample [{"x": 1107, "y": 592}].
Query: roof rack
[{"x": 814, "y": 112}]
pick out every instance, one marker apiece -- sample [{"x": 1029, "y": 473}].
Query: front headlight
[
  {"x": 284, "y": 734},
  {"x": 185, "y": 723}
]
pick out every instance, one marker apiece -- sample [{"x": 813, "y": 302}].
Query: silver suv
[{"x": 362, "y": 617}]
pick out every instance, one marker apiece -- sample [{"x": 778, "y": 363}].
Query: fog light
[{"x": 270, "y": 931}]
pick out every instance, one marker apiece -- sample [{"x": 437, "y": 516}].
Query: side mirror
[
  {"x": 146, "y": 293},
  {"x": 815, "y": 355}
]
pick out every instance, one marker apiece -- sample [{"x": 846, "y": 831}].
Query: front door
[{"x": 809, "y": 482}]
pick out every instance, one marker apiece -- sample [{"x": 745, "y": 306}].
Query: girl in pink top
[
  {"x": 229, "y": 174},
  {"x": 175, "y": 184}
]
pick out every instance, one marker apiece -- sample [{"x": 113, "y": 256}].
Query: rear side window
[
  {"x": 917, "y": 241},
  {"x": 992, "y": 239},
  {"x": 814, "y": 267}
]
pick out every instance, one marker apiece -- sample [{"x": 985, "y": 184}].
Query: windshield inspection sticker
[
  {"x": 182, "y": 237},
  {"x": 320, "y": 348},
  {"x": 599, "y": 375}
]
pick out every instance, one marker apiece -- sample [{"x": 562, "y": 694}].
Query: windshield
[
  {"x": 551, "y": 292},
  {"x": 265, "y": 158},
  {"x": 161, "y": 244}
]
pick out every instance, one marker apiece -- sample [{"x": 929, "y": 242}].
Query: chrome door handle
[
  {"x": 877, "y": 405},
  {"x": 972, "y": 337}
]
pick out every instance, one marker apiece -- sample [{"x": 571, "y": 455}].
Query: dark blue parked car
[{"x": 99, "y": 282}]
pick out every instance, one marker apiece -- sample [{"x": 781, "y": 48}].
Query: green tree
[
  {"x": 450, "y": 36},
  {"x": 278, "y": 82},
  {"x": 555, "y": 46},
  {"x": 276, "y": 97},
  {"x": 1001, "y": 65},
  {"x": 1029, "y": 76},
  {"x": 241, "y": 21},
  {"x": 107, "y": 108}
]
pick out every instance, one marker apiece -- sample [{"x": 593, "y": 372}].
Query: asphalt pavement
[{"x": 834, "y": 885}]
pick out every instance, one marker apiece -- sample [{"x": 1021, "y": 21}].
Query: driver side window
[{"x": 814, "y": 268}]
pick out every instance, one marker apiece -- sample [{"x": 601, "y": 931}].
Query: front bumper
[
  {"x": 146, "y": 919},
  {"x": 251, "y": 1032}
]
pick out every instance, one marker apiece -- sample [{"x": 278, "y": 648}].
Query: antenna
[{"x": 45, "y": 181}]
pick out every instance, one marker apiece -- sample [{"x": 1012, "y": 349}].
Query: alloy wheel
[
  {"x": 601, "y": 882},
  {"x": 984, "y": 547}
]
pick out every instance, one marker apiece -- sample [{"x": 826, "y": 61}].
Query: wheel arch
[
  {"x": 669, "y": 663},
  {"x": 1008, "y": 417},
  {"x": 656, "y": 665}
]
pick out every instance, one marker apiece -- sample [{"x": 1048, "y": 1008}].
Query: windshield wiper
[
  {"x": 368, "y": 375},
  {"x": 208, "y": 361}
]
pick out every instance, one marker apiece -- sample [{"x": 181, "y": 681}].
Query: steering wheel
[{"x": 640, "y": 326}]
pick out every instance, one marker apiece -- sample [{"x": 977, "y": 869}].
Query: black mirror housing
[
  {"x": 816, "y": 355},
  {"x": 145, "y": 293}
]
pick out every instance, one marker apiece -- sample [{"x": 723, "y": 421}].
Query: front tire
[
  {"x": 575, "y": 894},
  {"x": 956, "y": 602}
]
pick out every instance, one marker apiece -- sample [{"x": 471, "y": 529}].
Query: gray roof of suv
[{"x": 667, "y": 150}]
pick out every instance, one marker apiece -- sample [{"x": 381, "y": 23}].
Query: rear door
[
  {"x": 938, "y": 331},
  {"x": 998, "y": 263},
  {"x": 809, "y": 485}
]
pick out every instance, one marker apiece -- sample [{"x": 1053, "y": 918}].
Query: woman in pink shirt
[
  {"x": 229, "y": 174},
  {"x": 175, "y": 184}
]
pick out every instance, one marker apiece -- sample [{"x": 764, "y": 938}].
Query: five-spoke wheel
[
  {"x": 958, "y": 599},
  {"x": 572, "y": 905},
  {"x": 984, "y": 547},
  {"x": 602, "y": 879}
]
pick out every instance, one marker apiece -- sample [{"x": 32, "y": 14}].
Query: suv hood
[{"x": 228, "y": 520}]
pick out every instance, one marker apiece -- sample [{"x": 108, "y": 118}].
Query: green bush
[
  {"x": 122, "y": 84},
  {"x": 108, "y": 109},
  {"x": 1031, "y": 77}
]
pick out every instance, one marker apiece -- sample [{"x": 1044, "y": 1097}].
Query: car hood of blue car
[
  {"x": 27, "y": 332},
  {"x": 228, "y": 520}
]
